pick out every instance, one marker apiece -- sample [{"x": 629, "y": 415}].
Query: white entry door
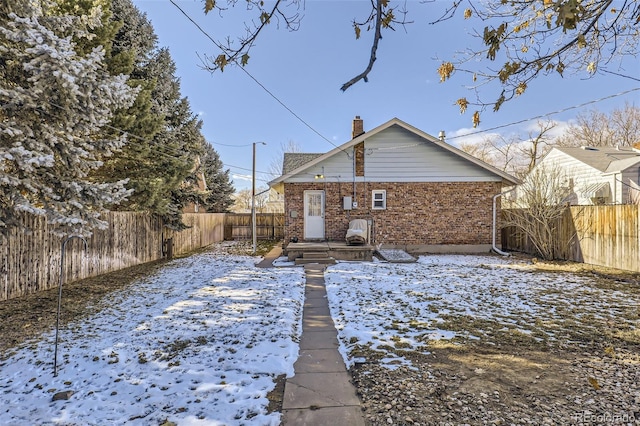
[{"x": 313, "y": 215}]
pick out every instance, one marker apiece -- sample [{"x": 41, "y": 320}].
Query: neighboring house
[
  {"x": 241, "y": 202},
  {"x": 597, "y": 175},
  {"x": 275, "y": 202},
  {"x": 414, "y": 190}
]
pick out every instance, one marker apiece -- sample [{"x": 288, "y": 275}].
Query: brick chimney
[{"x": 358, "y": 127}]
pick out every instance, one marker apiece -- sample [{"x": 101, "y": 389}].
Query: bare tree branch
[
  {"x": 595, "y": 128},
  {"x": 383, "y": 17},
  {"x": 449, "y": 13},
  {"x": 374, "y": 48},
  {"x": 538, "y": 142},
  {"x": 239, "y": 55},
  {"x": 541, "y": 203},
  {"x": 540, "y": 38},
  {"x": 529, "y": 38}
]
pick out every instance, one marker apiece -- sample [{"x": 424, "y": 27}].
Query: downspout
[
  {"x": 354, "y": 174},
  {"x": 495, "y": 214}
]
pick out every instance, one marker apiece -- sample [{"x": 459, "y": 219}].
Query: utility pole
[{"x": 253, "y": 198}]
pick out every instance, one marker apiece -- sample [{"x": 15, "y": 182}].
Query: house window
[{"x": 378, "y": 199}]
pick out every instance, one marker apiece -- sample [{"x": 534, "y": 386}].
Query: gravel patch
[{"x": 480, "y": 340}]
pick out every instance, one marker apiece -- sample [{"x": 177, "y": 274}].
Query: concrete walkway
[
  {"x": 320, "y": 393},
  {"x": 274, "y": 253}
]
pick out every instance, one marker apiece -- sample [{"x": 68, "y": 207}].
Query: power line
[
  {"x": 333, "y": 144},
  {"x": 547, "y": 114},
  {"x": 177, "y": 152},
  {"x": 167, "y": 151},
  {"x": 262, "y": 86},
  {"x": 174, "y": 153},
  {"x": 245, "y": 169},
  {"x": 231, "y": 145}
]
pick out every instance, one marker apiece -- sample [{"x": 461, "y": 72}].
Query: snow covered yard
[
  {"x": 198, "y": 343},
  {"x": 483, "y": 340},
  {"x": 390, "y": 307}
]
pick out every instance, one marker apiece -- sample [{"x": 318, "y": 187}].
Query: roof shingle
[
  {"x": 603, "y": 158},
  {"x": 293, "y": 160}
]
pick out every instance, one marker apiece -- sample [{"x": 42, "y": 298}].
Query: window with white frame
[{"x": 378, "y": 199}]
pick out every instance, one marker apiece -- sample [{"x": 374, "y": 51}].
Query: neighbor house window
[{"x": 379, "y": 199}]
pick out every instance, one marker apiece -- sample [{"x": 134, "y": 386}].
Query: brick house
[{"x": 416, "y": 191}]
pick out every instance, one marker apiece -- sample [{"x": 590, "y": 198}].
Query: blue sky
[{"x": 305, "y": 69}]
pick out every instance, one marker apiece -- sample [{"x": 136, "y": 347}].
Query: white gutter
[{"x": 495, "y": 214}]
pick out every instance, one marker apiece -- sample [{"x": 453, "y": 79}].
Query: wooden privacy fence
[
  {"x": 269, "y": 226},
  {"x": 204, "y": 229},
  {"x": 31, "y": 263},
  {"x": 598, "y": 235}
]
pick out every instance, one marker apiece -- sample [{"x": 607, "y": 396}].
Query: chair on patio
[{"x": 357, "y": 232}]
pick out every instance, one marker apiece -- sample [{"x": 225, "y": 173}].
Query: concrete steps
[
  {"x": 339, "y": 250},
  {"x": 321, "y": 257}
]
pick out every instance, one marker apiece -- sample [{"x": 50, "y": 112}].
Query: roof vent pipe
[
  {"x": 441, "y": 135},
  {"x": 495, "y": 214}
]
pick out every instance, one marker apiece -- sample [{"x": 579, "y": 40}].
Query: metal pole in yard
[
  {"x": 55, "y": 351},
  {"x": 253, "y": 198}
]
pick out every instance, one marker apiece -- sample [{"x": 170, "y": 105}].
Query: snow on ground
[
  {"x": 198, "y": 343},
  {"x": 442, "y": 297}
]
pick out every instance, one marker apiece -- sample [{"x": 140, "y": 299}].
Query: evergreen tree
[
  {"x": 154, "y": 170},
  {"x": 20, "y": 8},
  {"x": 219, "y": 186},
  {"x": 56, "y": 101},
  {"x": 130, "y": 48},
  {"x": 164, "y": 136},
  {"x": 182, "y": 144}
]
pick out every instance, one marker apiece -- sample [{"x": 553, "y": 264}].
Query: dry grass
[{"x": 25, "y": 318}]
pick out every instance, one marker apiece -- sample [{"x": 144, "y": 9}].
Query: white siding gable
[{"x": 398, "y": 155}]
